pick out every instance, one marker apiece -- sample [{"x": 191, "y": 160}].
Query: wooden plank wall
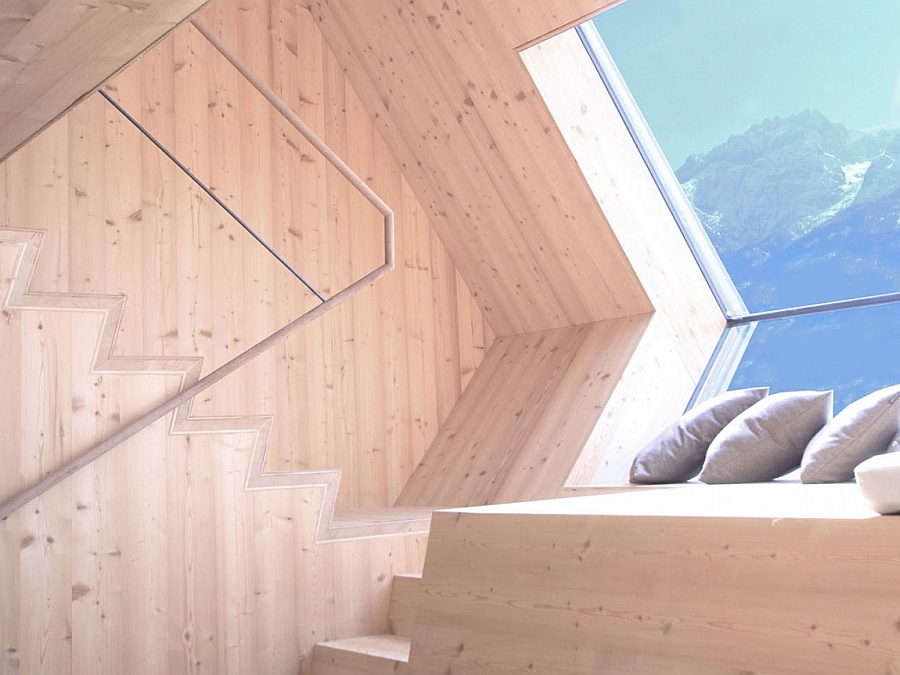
[
  {"x": 173, "y": 567},
  {"x": 460, "y": 112},
  {"x": 516, "y": 160},
  {"x": 155, "y": 559},
  {"x": 520, "y": 427},
  {"x": 54, "y": 52},
  {"x": 783, "y": 580},
  {"x": 682, "y": 335}
]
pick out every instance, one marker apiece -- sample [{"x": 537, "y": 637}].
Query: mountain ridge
[{"x": 801, "y": 209}]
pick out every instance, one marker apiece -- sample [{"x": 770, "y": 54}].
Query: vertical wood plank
[{"x": 160, "y": 561}]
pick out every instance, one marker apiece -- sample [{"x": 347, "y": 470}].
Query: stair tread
[
  {"x": 379, "y": 522},
  {"x": 389, "y": 514},
  {"x": 393, "y": 647}
]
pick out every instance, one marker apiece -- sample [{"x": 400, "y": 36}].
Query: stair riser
[
  {"x": 327, "y": 661},
  {"x": 402, "y": 610}
]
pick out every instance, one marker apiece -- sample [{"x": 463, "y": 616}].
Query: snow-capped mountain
[{"x": 802, "y": 210}]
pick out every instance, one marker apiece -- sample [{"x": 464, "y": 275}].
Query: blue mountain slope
[{"x": 803, "y": 211}]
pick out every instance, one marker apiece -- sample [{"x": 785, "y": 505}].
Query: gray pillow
[
  {"x": 861, "y": 430},
  {"x": 677, "y": 453},
  {"x": 894, "y": 445},
  {"x": 768, "y": 439}
]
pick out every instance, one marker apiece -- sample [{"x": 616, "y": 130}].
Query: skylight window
[{"x": 778, "y": 132}]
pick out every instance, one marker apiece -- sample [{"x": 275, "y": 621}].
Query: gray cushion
[
  {"x": 767, "y": 440},
  {"x": 863, "y": 429},
  {"x": 677, "y": 453},
  {"x": 894, "y": 445}
]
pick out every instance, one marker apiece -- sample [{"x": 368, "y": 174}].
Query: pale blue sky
[{"x": 702, "y": 70}]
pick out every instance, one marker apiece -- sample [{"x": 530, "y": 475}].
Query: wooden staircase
[
  {"x": 333, "y": 524},
  {"x": 375, "y": 654}
]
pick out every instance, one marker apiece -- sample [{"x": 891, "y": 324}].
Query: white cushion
[{"x": 879, "y": 480}]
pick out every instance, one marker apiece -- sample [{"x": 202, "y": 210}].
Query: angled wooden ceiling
[
  {"x": 603, "y": 319},
  {"x": 54, "y": 52},
  {"x": 545, "y": 238},
  {"x": 460, "y": 112},
  {"x": 535, "y": 187}
]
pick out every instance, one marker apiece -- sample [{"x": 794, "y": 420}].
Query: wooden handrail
[
  {"x": 302, "y": 127},
  {"x": 15, "y": 503},
  {"x": 58, "y": 475}
]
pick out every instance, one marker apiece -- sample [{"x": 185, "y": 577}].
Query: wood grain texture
[
  {"x": 516, "y": 129},
  {"x": 687, "y": 322},
  {"x": 652, "y": 392},
  {"x": 775, "y": 579},
  {"x": 176, "y": 567},
  {"x": 484, "y": 156},
  {"x": 367, "y": 655},
  {"x": 526, "y": 23},
  {"x": 636, "y": 211},
  {"x": 381, "y": 653},
  {"x": 55, "y": 52},
  {"x": 405, "y": 589},
  {"x": 192, "y": 384},
  {"x": 155, "y": 558},
  {"x": 522, "y": 423}
]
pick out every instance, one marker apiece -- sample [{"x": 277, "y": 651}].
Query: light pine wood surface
[
  {"x": 525, "y": 23},
  {"x": 651, "y": 393},
  {"x": 687, "y": 322},
  {"x": 595, "y": 132},
  {"x": 54, "y": 52},
  {"x": 375, "y": 654},
  {"x": 521, "y": 425},
  {"x": 486, "y": 159},
  {"x": 531, "y": 119},
  {"x": 711, "y": 580},
  {"x": 155, "y": 558}
]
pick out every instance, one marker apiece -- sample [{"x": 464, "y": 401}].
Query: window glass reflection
[{"x": 854, "y": 352}]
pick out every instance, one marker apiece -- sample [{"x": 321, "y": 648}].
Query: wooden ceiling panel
[
  {"x": 15, "y": 15},
  {"x": 478, "y": 145},
  {"x": 524, "y": 23},
  {"x": 54, "y": 52}
]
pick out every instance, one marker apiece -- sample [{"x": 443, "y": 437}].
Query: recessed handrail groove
[
  {"x": 216, "y": 198},
  {"x": 272, "y": 97},
  {"x": 57, "y": 476}
]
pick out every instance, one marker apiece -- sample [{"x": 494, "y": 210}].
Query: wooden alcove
[{"x": 543, "y": 320}]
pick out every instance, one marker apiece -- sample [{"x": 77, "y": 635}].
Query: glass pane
[
  {"x": 854, "y": 352},
  {"x": 782, "y": 121}
]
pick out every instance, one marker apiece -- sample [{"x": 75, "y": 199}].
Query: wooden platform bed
[{"x": 691, "y": 579}]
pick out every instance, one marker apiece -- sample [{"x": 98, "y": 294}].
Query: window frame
[{"x": 740, "y": 323}]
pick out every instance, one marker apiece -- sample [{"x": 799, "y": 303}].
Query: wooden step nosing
[{"x": 359, "y": 646}]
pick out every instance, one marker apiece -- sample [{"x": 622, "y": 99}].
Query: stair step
[
  {"x": 404, "y": 601},
  {"x": 379, "y": 522},
  {"x": 367, "y": 655},
  {"x": 375, "y": 654}
]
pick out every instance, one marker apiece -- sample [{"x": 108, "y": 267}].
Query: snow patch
[
  {"x": 854, "y": 174},
  {"x": 690, "y": 189},
  {"x": 884, "y": 154},
  {"x": 711, "y": 221}
]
